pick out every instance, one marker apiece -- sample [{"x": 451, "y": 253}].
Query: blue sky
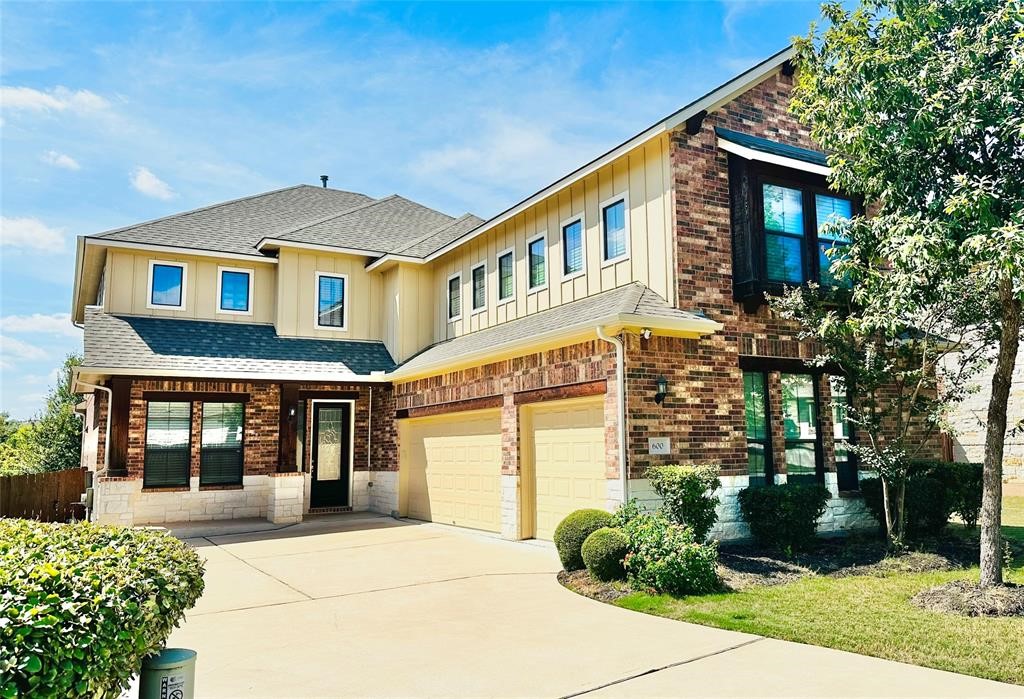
[{"x": 115, "y": 113}]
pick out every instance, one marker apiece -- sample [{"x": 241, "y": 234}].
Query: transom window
[
  {"x": 221, "y": 450},
  {"x": 455, "y": 297},
  {"x": 167, "y": 284},
  {"x": 536, "y": 259},
  {"x": 330, "y": 300},
  {"x": 478, "y": 276},
  {"x": 572, "y": 248},
  {"x": 795, "y": 221},
  {"x": 755, "y": 399},
  {"x": 235, "y": 290},
  {"x": 168, "y": 436},
  {"x": 506, "y": 275},
  {"x": 613, "y": 231}
]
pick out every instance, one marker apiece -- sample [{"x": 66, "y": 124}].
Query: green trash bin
[{"x": 170, "y": 674}]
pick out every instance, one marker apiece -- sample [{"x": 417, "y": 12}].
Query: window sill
[
  {"x": 230, "y": 486},
  {"x": 166, "y": 489}
]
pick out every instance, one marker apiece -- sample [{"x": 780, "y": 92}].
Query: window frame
[
  {"x": 851, "y": 441},
  {"x": 497, "y": 266},
  {"x": 249, "y": 300},
  {"x": 183, "y": 266},
  {"x": 146, "y": 485},
  {"x": 316, "y": 301},
  {"x": 819, "y": 437},
  {"x": 473, "y": 310},
  {"x": 547, "y": 266},
  {"x": 448, "y": 298},
  {"x": 568, "y": 277},
  {"x": 241, "y": 463},
  {"x": 607, "y": 203},
  {"x": 769, "y": 456}
]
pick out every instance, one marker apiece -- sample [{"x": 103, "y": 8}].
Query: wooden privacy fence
[{"x": 47, "y": 497}]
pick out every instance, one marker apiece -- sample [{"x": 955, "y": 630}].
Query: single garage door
[
  {"x": 450, "y": 469},
  {"x": 568, "y": 454}
]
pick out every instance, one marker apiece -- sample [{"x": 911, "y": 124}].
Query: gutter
[
  {"x": 110, "y": 410},
  {"x": 620, "y": 378}
]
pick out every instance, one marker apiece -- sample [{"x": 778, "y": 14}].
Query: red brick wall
[{"x": 562, "y": 370}]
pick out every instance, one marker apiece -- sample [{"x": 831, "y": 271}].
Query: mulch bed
[{"x": 967, "y": 599}]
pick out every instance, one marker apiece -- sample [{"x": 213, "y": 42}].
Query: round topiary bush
[
  {"x": 572, "y": 531},
  {"x": 603, "y": 553}
]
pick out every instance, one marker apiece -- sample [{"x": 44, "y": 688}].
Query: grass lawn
[{"x": 868, "y": 614}]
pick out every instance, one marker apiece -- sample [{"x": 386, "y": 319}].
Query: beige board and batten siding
[
  {"x": 643, "y": 175},
  {"x": 127, "y": 286},
  {"x": 408, "y": 317},
  {"x": 297, "y": 295}
]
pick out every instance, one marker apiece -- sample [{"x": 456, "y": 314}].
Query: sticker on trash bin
[{"x": 172, "y": 687}]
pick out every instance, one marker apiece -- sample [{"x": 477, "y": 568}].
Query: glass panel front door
[{"x": 331, "y": 454}]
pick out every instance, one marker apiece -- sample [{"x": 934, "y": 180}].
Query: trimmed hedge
[
  {"x": 927, "y": 504},
  {"x": 603, "y": 553},
  {"x": 963, "y": 484},
  {"x": 572, "y": 531},
  {"x": 784, "y": 516},
  {"x": 81, "y": 604},
  {"x": 667, "y": 557},
  {"x": 688, "y": 496}
]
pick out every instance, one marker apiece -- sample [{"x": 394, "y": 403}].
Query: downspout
[
  {"x": 620, "y": 378},
  {"x": 106, "y": 438}
]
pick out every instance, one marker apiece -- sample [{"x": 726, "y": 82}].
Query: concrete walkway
[{"x": 367, "y": 606}]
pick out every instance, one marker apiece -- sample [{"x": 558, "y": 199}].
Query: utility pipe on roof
[
  {"x": 106, "y": 439},
  {"x": 620, "y": 379}
]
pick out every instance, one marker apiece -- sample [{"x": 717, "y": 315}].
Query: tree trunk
[
  {"x": 995, "y": 434},
  {"x": 892, "y": 500}
]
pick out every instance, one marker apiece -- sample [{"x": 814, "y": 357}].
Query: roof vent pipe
[{"x": 324, "y": 178}]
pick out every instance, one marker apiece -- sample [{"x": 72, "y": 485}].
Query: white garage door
[
  {"x": 567, "y": 445},
  {"x": 450, "y": 469}
]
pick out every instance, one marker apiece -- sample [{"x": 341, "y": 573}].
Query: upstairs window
[
  {"x": 614, "y": 236},
  {"x": 536, "y": 259},
  {"x": 234, "y": 291},
  {"x": 478, "y": 276},
  {"x": 455, "y": 297},
  {"x": 167, "y": 284},
  {"x": 220, "y": 461},
  {"x": 506, "y": 275},
  {"x": 572, "y": 249},
  {"x": 331, "y": 306},
  {"x": 784, "y": 232},
  {"x": 831, "y": 214},
  {"x": 168, "y": 436}
]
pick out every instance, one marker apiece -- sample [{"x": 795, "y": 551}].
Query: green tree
[
  {"x": 59, "y": 429},
  {"x": 7, "y": 426},
  {"x": 920, "y": 104}
]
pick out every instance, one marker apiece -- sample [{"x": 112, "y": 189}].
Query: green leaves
[{"x": 81, "y": 605}]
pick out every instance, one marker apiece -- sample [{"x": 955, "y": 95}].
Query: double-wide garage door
[{"x": 451, "y": 465}]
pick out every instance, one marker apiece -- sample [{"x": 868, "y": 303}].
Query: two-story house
[{"x": 310, "y": 349}]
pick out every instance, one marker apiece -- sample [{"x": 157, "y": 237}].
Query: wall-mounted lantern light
[{"x": 659, "y": 397}]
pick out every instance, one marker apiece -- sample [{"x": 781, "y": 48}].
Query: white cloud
[
  {"x": 61, "y": 160},
  {"x": 27, "y": 232},
  {"x": 59, "y": 99},
  {"x": 149, "y": 184},
  {"x": 13, "y": 348},
  {"x": 43, "y": 323}
]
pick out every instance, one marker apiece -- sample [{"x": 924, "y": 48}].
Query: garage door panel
[
  {"x": 569, "y": 461},
  {"x": 451, "y": 468}
]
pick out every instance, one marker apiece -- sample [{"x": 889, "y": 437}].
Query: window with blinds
[
  {"x": 614, "y": 231},
  {"x": 536, "y": 258},
  {"x": 168, "y": 434},
  {"x": 478, "y": 276},
  {"x": 572, "y": 248},
  {"x": 221, "y": 453},
  {"x": 330, "y": 301},
  {"x": 455, "y": 297},
  {"x": 506, "y": 276}
]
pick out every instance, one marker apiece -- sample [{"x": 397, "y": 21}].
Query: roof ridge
[
  {"x": 210, "y": 207},
  {"x": 346, "y": 212}
]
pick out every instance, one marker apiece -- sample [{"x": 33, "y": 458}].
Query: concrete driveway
[{"x": 368, "y": 606}]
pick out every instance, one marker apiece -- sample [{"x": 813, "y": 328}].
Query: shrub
[
  {"x": 688, "y": 495},
  {"x": 926, "y": 502},
  {"x": 963, "y": 484},
  {"x": 667, "y": 557},
  {"x": 783, "y": 516},
  {"x": 603, "y": 553},
  {"x": 81, "y": 605},
  {"x": 626, "y": 512},
  {"x": 572, "y": 531}
]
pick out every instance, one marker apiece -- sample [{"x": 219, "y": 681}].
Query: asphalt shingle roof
[
  {"x": 234, "y": 349},
  {"x": 773, "y": 147},
  {"x": 631, "y": 299}
]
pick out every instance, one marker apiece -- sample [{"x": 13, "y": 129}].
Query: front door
[{"x": 331, "y": 454}]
